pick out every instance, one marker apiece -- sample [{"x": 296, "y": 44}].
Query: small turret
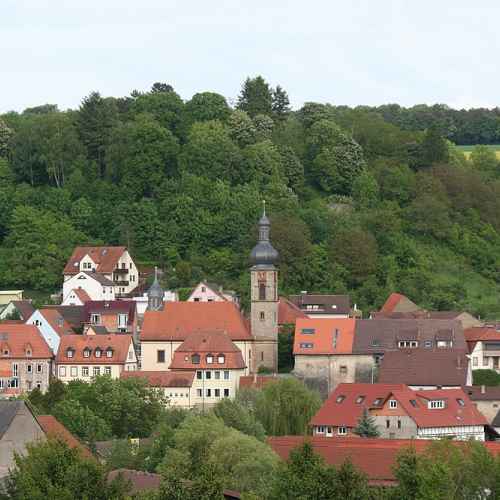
[
  {"x": 264, "y": 254},
  {"x": 155, "y": 295}
]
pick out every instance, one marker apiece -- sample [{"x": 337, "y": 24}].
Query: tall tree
[
  {"x": 256, "y": 97},
  {"x": 280, "y": 103},
  {"x": 5, "y": 135},
  {"x": 161, "y": 87}
]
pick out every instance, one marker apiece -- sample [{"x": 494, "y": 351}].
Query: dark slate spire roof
[
  {"x": 264, "y": 254},
  {"x": 155, "y": 290}
]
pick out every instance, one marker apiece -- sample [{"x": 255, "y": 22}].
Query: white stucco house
[{"x": 94, "y": 286}]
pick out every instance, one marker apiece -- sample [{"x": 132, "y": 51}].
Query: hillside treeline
[{"x": 358, "y": 204}]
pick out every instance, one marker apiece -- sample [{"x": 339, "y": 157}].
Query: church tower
[
  {"x": 264, "y": 299},
  {"x": 155, "y": 295}
]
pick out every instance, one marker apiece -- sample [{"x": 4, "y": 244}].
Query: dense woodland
[{"x": 364, "y": 200}]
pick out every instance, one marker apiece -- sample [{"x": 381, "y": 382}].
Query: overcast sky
[{"x": 344, "y": 52}]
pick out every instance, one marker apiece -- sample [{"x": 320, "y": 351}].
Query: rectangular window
[
  {"x": 475, "y": 361},
  {"x": 97, "y": 371},
  {"x": 39, "y": 368},
  {"x": 199, "y": 393},
  {"x": 308, "y": 331},
  {"x": 85, "y": 371},
  {"x": 209, "y": 393},
  {"x": 226, "y": 393},
  {"x": 306, "y": 345},
  {"x": 399, "y": 424},
  {"x": 122, "y": 320},
  {"x": 130, "y": 355},
  {"x": 107, "y": 370},
  {"x": 387, "y": 424},
  {"x": 217, "y": 375},
  {"x": 393, "y": 404},
  {"x": 74, "y": 371},
  {"x": 485, "y": 361},
  {"x": 29, "y": 368},
  {"x": 436, "y": 404},
  {"x": 217, "y": 393},
  {"x": 342, "y": 431},
  {"x": 95, "y": 319},
  {"x": 15, "y": 369},
  {"x": 208, "y": 375},
  {"x": 199, "y": 375},
  {"x": 343, "y": 370},
  {"x": 160, "y": 356},
  {"x": 28, "y": 385},
  {"x": 62, "y": 371},
  {"x": 226, "y": 375}
]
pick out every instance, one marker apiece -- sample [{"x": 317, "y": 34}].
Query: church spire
[
  {"x": 155, "y": 294},
  {"x": 264, "y": 254}
]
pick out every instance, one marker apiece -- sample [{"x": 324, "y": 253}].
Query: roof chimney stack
[{"x": 483, "y": 389}]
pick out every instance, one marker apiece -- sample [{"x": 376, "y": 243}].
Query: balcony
[
  {"x": 120, "y": 283},
  {"x": 120, "y": 270}
]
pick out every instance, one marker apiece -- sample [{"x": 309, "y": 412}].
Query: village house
[
  {"x": 400, "y": 413},
  {"x": 25, "y": 360},
  {"x": 323, "y": 306},
  {"x": 78, "y": 296},
  {"x": 103, "y": 316},
  {"x": 288, "y": 313},
  {"x": 211, "y": 292},
  {"x": 167, "y": 326},
  {"x": 81, "y": 357},
  {"x": 487, "y": 401},
  {"x": 484, "y": 347},
  {"x": 18, "y": 309},
  {"x": 77, "y": 287},
  {"x": 113, "y": 264}
]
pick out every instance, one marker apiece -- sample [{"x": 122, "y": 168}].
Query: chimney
[{"x": 483, "y": 389}]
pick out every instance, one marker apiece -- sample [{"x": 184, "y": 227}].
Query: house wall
[
  {"x": 309, "y": 314},
  {"x": 27, "y": 380},
  {"x": 201, "y": 398},
  {"x": 94, "y": 289},
  {"x": 71, "y": 300},
  {"x": 325, "y": 372},
  {"x": 23, "y": 430},
  {"x": 178, "y": 397},
  {"x": 132, "y": 276},
  {"x": 7, "y": 296},
  {"x": 203, "y": 293},
  {"x": 74, "y": 371},
  {"x": 488, "y": 408},
  {"x": 48, "y": 333},
  {"x": 480, "y": 358},
  {"x": 394, "y": 423},
  {"x": 460, "y": 433},
  {"x": 149, "y": 354}
]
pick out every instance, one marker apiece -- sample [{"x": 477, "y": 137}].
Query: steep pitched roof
[
  {"x": 105, "y": 258},
  {"x": 57, "y": 321},
  {"x": 178, "y": 320},
  {"x": 24, "y": 307},
  {"x": 54, "y": 429},
  {"x": 434, "y": 367},
  {"x": 382, "y": 335},
  {"x": 82, "y": 295},
  {"x": 17, "y": 338},
  {"x": 109, "y": 307},
  {"x": 73, "y": 315},
  {"x": 328, "y": 304},
  {"x": 288, "y": 312},
  {"x": 207, "y": 344},
  {"x": 119, "y": 343},
  {"x": 397, "y": 302},
  {"x": 482, "y": 333},
  {"x": 323, "y": 336},
  {"x": 345, "y": 411},
  {"x": 375, "y": 457},
  {"x": 170, "y": 378},
  {"x": 256, "y": 381},
  {"x": 482, "y": 393}
]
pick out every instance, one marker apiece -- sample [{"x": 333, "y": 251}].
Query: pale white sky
[{"x": 344, "y": 52}]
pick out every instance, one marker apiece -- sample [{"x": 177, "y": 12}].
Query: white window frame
[
  {"x": 62, "y": 371},
  {"x": 393, "y": 404},
  {"x": 342, "y": 430}
]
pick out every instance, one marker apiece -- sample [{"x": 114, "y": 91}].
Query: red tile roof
[
  {"x": 82, "y": 295},
  {"x": 478, "y": 333},
  {"x": 375, "y": 457},
  {"x": 139, "y": 480},
  {"x": 162, "y": 378},
  {"x": 24, "y": 307},
  {"x": 119, "y": 343},
  {"x": 255, "y": 382},
  {"x": 105, "y": 258},
  {"x": 392, "y": 302},
  {"x": 207, "y": 344},
  {"x": 346, "y": 412},
  {"x": 331, "y": 336},
  {"x": 57, "y": 321},
  {"x": 54, "y": 429},
  {"x": 288, "y": 312},
  {"x": 178, "y": 320},
  {"x": 17, "y": 338}
]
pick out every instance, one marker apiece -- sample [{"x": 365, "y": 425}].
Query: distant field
[{"x": 466, "y": 150}]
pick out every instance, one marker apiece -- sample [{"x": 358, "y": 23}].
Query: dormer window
[
  {"x": 360, "y": 399},
  {"x": 210, "y": 359},
  {"x": 70, "y": 352},
  {"x": 97, "y": 352},
  {"x": 86, "y": 352},
  {"x": 28, "y": 351},
  {"x": 408, "y": 344},
  {"x": 393, "y": 404},
  {"x": 109, "y": 352},
  {"x": 195, "y": 359},
  {"x": 436, "y": 404},
  {"x": 340, "y": 398},
  {"x": 221, "y": 359},
  {"x": 377, "y": 402},
  {"x": 6, "y": 351}
]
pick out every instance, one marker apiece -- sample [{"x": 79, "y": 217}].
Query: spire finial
[
  {"x": 264, "y": 207},
  {"x": 156, "y": 273}
]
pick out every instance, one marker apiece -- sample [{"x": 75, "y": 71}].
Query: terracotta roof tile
[
  {"x": 57, "y": 322},
  {"x": 394, "y": 300},
  {"x": 178, "y": 320},
  {"x": 119, "y": 344},
  {"x": 162, "y": 378},
  {"x": 324, "y": 336},
  {"x": 105, "y": 258},
  {"x": 288, "y": 312},
  {"x": 205, "y": 345},
  {"x": 54, "y": 429},
  {"x": 480, "y": 333},
  {"x": 82, "y": 295},
  {"x": 16, "y": 338},
  {"x": 256, "y": 382}
]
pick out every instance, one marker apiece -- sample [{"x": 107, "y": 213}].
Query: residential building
[
  {"x": 113, "y": 263},
  {"x": 87, "y": 284},
  {"x": 25, "y": 359},
  {"x": 323, "y": 306},
  {"x": 18, "y": 309},
  {"x": 177, "y": 386},
  {"x": 377, "y": 458},
  {"x": 422, "y": 369},
  {"x": 115, "y": 316},
  {"x": 400, "y": 412},
  {"x": 211, "y": 292},
  {"x": 7, "y": 296},
  {"x": 323, "y": 352},
  {"x": 487, "y": 401},
  {"x": 484, "y": 347},
  {"x": 81, "y": 357},
  {"x": 142, "y": 301}
]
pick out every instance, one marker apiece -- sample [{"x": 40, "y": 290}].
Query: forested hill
[{"x": 357, "y": 203}]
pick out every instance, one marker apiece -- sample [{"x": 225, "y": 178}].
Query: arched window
[
  {"x": 195, "y": 359},
  {"x": 262, "y": 291}
]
